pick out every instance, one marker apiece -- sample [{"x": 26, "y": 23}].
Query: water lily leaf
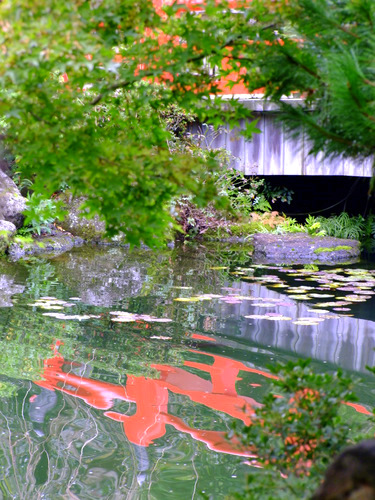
[
  {"x": 51, "y": 307},
  {"x": 321, "y": 295},
  {"x": 245, "y": 297},
  {"x": 127, "y": 317},
  {"x": 256, "y": 316},
  {"x": 152, "y": 319},
  {"x": 217, "y": 268},
  {"x": 73, "y": 316},
  {"x": 279, "y": 317},
  {"x": 186, "y": 299},
  {"x": 264, "y": 304},
  {"x": 46, "y": 305},
  {"x": 305, "y": 323},
  {"x": 182, "y": 287},
  {"x": 310, "y": 318},
  {"x": 354, "y": 298}
]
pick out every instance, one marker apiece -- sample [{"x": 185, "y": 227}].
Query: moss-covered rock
[
  {"x": 78, "y": 225},
  {"x": 302, "y": 248},
  {"x": 12, "y": 203},
  {"x": 23, "y": 246},
  {"x": 7, "y": 230}
]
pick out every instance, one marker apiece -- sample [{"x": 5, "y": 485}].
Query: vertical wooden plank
[{"x": 272, "y": 146}]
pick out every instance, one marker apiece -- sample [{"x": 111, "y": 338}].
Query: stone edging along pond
[
  {"x": 296, "y": 248},
  {"x": 299, "y": 248}
]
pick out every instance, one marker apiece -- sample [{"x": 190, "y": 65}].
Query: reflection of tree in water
[
  {"x": 41, "y": 280},
  {"x": 68, "y": 457},
  {"x": 78, "y": 456},
  {"x": 68, "y": 443},
  {"x": 8, "y": 288}
]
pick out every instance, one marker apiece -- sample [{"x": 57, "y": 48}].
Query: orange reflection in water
[{"x": 151, "y": 397}]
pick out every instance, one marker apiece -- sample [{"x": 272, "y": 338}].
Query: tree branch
[{"x": 123, "y": 84}]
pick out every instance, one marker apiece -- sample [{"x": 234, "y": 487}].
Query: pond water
[{"x": 121, "y": 373}]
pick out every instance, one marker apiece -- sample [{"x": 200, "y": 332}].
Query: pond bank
[{"x": 296, "y": 248}]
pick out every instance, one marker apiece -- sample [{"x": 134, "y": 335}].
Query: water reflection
[
  {"x": 102, "y": 409},
  {"x": 151, "y": 397}
]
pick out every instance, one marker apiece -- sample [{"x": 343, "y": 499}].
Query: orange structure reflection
[{"x": 151, "y": 396}]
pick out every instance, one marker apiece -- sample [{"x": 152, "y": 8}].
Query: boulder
[
  {"x": 12, "y": 203},
  {"x": 48, "y": 245},
  {"x": 7, "y": 231},
  {"x": 78, "y": 225},
  {"x": 8, "y": 288},
  {"x": 300, "y": 248}
]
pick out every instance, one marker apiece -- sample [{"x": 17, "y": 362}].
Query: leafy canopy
[{"x": 102, "y": 132}]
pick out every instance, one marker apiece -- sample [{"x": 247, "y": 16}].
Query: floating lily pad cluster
[
  {"x": 127, "y": 317},
  {"x": 52, "y": 303},
  {"x": 330, "y": 284},
  {"x": 328, "y": 297}
]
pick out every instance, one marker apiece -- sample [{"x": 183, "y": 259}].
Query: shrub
[{"x": 300, "y": 427}]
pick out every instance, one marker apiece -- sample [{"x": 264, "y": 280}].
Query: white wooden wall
[{"x": 273, "y": 153}]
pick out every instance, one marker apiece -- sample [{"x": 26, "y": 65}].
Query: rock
[
  {"x": 88, "y": 229},
  {"x": 43, "y": 245},
  {"x": 12, "y": 203},
  {"x": 103, "y": 276},
  {"x": 351, "y": 475},
  {"x": 7, "y": 231},
  {"x": 7, "y": 289},
  {"x": 300, "y": 248}
]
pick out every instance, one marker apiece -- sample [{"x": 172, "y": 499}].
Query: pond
[{"x": 121, "y": 373}]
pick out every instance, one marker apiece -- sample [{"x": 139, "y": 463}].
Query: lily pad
[
  {"x": 305, "y": 323},
  {"x": 79, "y": 317},
  {"x": 186, "y": 299}
]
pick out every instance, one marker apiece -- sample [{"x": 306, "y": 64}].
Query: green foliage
[
  {"x": 107, "y": 143},
  {"x": 40, "y": 213},
  {"x": 248, "y": 195},
  {"x": 313, "y": 226},
  {"x": 237, "y": 229},
  {"x": 339, "y": 226},
  {"x": 289, "y": 225},
  {"x": 101, "y": 131},
  {"x": 343, "y": 226},
  {"x": 301, "y": 425}
]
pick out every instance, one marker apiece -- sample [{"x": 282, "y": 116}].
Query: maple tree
[{"x": 84, "y": 82}]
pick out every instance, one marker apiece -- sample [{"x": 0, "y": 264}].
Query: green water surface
[{"x": 97, "y": 404}]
